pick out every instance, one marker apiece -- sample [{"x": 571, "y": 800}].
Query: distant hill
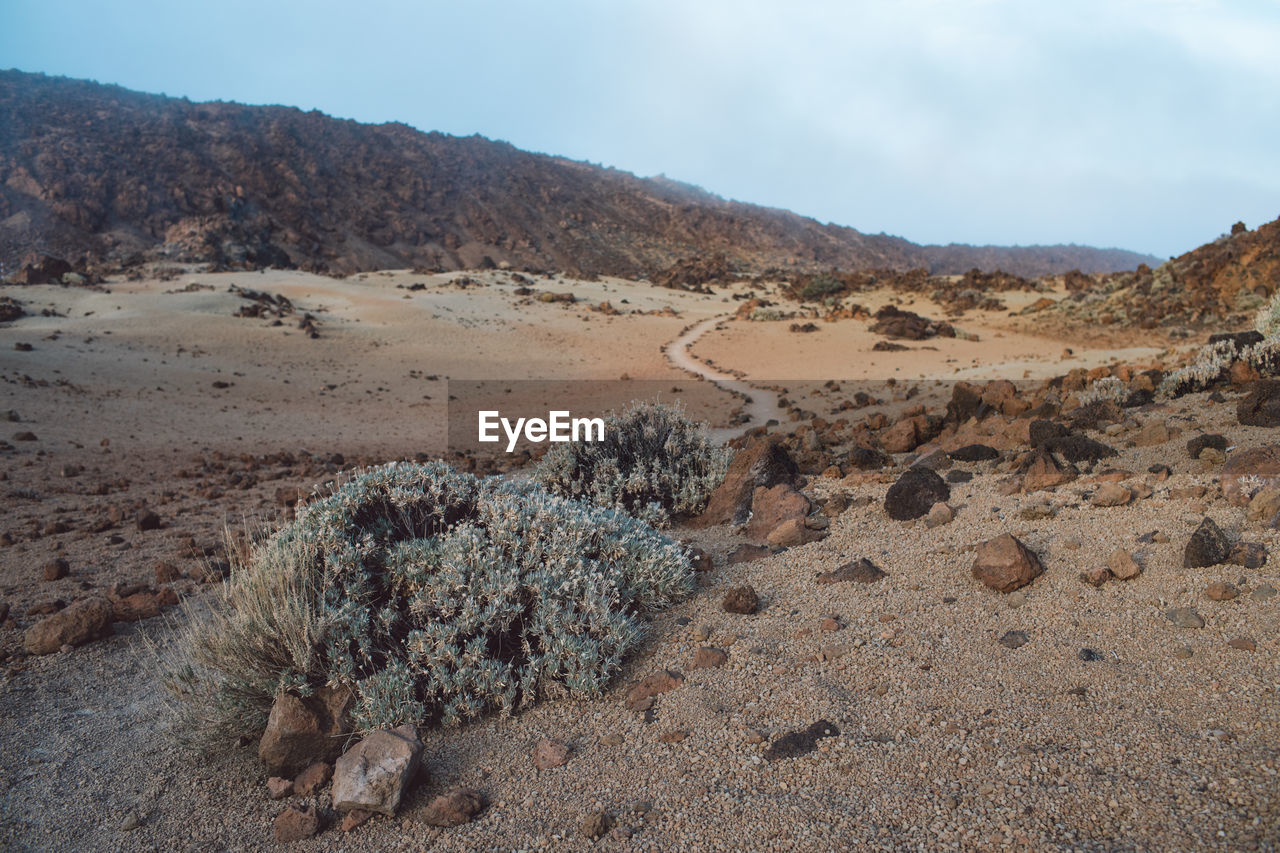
[{"x": 105, "y": 177}]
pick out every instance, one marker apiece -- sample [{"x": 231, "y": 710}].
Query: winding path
[{"x": 763, "y": 404}]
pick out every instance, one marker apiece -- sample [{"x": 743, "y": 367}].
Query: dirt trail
[{"x": 762, "y": 405}]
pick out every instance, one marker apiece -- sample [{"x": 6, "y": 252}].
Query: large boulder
[
  {"x": 374, "y": 773},
  {"x": 85, "y": 620},
  {"x": 915, "y": 493},
  {"x": 301, "y": 732},
  {"x": 1005, "y": 564},
  {"x": 764, "y": 462}
]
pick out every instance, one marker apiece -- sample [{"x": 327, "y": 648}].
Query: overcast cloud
[{"x": 1146, "y": 124}]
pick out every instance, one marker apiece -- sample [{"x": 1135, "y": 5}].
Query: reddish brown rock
[
  {"x": 302, "y": 731},
  {"x": 1096, "y": 576},
  {"x": 81, "y": 622},
  {"x": 709, "y": 657},
  {"x": 296, "y": 823},
  {"x": 1005, "y": 564},
  {"x": 771, "y": 507},
  {"x": 762, "y": 462},
  {"x": 641, "y": 694},
  {"x": 312, "y": 780},
  {"x": 278, "y": 788},
  {"x": 454, "y": 808},
  {"x": 1122, "y": 565},
  {"x": 1238, "y": 474},
  {"x": 1221, "y": 591},
  {"x": 902, "y": 437},
  {"x": 741, "y": 599},
  {"x": 747, "y": 553},
  {"x": 355, "y": 818},
  {"x": 549, "y": 754},
  {"x": 673, "y": 736},
  {"x": 1111, "y": 494},
  {"x": 792, "y": 533},
  {"x": 1244, "y": 644},
  {"x": 1042, "y": 471},
  {"x": 56, "y": 569}
]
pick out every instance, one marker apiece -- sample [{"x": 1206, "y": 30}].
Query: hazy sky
[{"x": 1146, "y": 124}]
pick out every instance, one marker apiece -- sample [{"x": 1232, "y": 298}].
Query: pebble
[{"x": 1184, "y": 617}]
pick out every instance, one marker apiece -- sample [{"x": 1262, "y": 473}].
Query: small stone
[
  {"x": 1015, "y": 599},
  {"x": 595, "y": 825},
  {"x": 1122, "y": 565},
  {"x": 310, "y": 781},
  {"x": 1090, "y": 655},
  {"x": 1096, "y": 576},
  {"x": 640, "y": 696},
  {"x": 81, "y": 622},
  {"x": 830, "y": 624},
  {"x": 131, "y": 822},
  {"x": 148, "y": 520},
  {"x": 355, "y": 818},
  {"x": 1251, "y": 555},
  {"x": 1244, "y": 644},
  {"x": 673, "y": 736},
  {"x": 1221, "y": 591},
  {"x": 549, "y": 754},
  {"x": 1262, "y": 593},
  {"x": 702, "y": 633},
  {"x": 939, "y": 514},
  {"x": 1005, "y": 564},
  {"x": 755, "y": 736},
  {"x": 858, "y": 571},
  {"x": 797, "y": 743},
  {"x": 1208, "y": 546},
  {"x": 709, "y": 657},
  {"x": 1111, "y": 494},
  {"x": 1182, "y": 652},
  {"x": 278, "y": 788},
  {"x": 296, "y": 823},
  {"x": 700, "y": 560},
  {"x": 1184, "y": 617},
  {"x": 741, "y": 599},
  {"x": 454, "y": 808},
  {"x": 612, "y": 740},
  {"x": 1014, "y": 639},
  {"x": 56, "y": 569}
]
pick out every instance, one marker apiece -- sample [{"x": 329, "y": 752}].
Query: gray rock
[
  {"x": 373, "y": 774},
  {"x": 1184, "y": 617}
]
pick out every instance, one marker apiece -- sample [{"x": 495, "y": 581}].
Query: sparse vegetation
[
  {"x": 437, "y": 596},
  {"x": 821, "y": 286},
  {"x": 654, "y": 464}
]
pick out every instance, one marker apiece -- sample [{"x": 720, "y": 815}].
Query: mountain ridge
[{"x": 104, "y": 176}]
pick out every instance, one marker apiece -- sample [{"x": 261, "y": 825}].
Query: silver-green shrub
[
  {"x": 654, "y": 464},
  {"x": 435, "y": 595}
]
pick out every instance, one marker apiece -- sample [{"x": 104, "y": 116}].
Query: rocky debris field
[{"x": 997, "y": 627}]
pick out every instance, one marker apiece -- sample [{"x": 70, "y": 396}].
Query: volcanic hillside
[{"x": 104, "y": 177}]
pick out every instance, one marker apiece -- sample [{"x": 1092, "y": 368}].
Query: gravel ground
[{"x": 947, "y": 739}]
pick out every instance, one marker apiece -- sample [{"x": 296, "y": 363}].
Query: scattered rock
[
  {"x": 974, "y": 453},
  {"x": 454, "y": 808},
  {"x": 741, "y": 599},
  {"x": 708, "y": 657},
  {"x": 1246, "y": 468},
  {"x": 148, "y": 520},
  {"x": 915, "y": 493},
  {"x": 1262, "y": 593},
  {"x": 1122, "y": 565},
  {"x": 302, "y": 731},
  {"x": 792, "y": 533},
  {"x": 1005, "y": 564},
  {"x": 797, "y": 743},
  {"x": 1208, "y": 546},
  {"x": 1200, "y": 442},
  {"x": 1184, "y": 617},
  {"x": 763, "y": 462},
  {"x": 1014, "y": 639},
  {"x": 939, "y": 514},
  {"x": 774, "y": 506},
  {"x": 1251, "y": 555},
  {"x": 355, "y": 818},
  {"x": 312, "y": 780},
  {"x": 1244, "y": 644},
  {"x": 1096, "y": 576},
  {"x": 595, "y": 825},
  {"x": 641, "y": 694},
  {"x": 550, "y": 754},
  {"x": 296, "y": 823},
  {"x": 81, "y": 622},
  {"x": 278, "y": 788},
  {"x": 673, "y": 736},
  {"x": 1111, "y": 494},
  {"x": 1221, "y": 591},
  {"x": 373, "y": 774},
  {"x": 746, "y": 553},
  {"x": 56, "y": 569},
  {"x": 858, "y": 571},
  {"x": 1261, "y": 406}
]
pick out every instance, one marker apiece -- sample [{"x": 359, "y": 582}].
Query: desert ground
[{"x": 147, "y": 420}]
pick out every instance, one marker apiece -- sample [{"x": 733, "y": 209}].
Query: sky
[{"x": 1150, "y": 125}]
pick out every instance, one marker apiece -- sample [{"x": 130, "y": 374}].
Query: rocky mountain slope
[{"x": 103, "y": 176}]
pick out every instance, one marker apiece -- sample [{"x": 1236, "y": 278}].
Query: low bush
[
  {"x": 435, "y": 595},
  {"x": 654, "y": 464}
]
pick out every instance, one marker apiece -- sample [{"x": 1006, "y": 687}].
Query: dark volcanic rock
[
  {"x": 1208, "y": 546},
  {"x": 803, "y": 742},
  {"x": 915, "y": 493},
  {"x": 858, "y": 571},
  {"x": 741, "y": 599},
  {"x": 1261, "y": 406},
  {"x": 974, "y": 453},
  {"x": 866, "y": 458},
  {"x": 1079, "y": 448},
  {"x": 1200, "y": 442},
  {"x": 1240, "y": 339}
]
